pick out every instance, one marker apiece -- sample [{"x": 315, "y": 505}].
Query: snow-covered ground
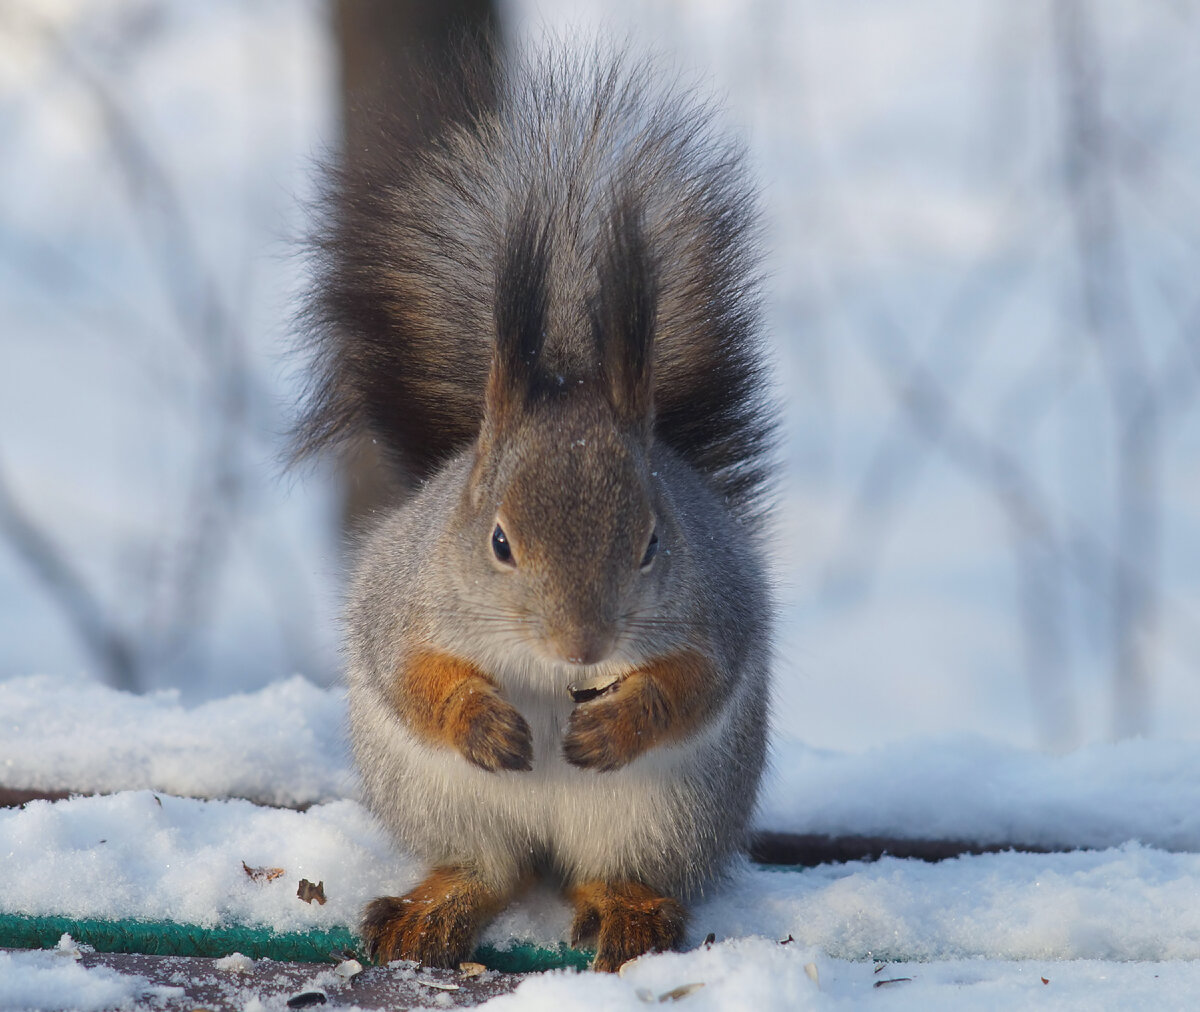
[{"x": 1114, "y": 925}]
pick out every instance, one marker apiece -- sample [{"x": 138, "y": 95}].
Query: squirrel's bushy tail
[{"x": 410, "y": 260}]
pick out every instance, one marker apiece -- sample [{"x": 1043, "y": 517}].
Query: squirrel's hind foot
[
  {"x": 435, "y": 924},
  {"x": 624, "y": 920}
]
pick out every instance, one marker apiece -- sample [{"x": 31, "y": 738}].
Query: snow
[
  {"x": 1118, "y": 923},
  {"x": 283, "y": 745},
  {"x": 973, "y": 789},
  {"x": 137, "y": 855},
  {"x": 235, "y": 962},
  {"x": 757, "y": 975},
  {"x": 140, "y": 855},
  {"x": 53, "y": 981}
]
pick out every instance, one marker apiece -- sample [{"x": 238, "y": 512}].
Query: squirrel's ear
[
  {"x": 624, "y": 316},
  {"x": 516, "y": 375}
]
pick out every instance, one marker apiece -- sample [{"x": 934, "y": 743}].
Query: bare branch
[
  {"x": 1106, "y": 310},
  {"x": 217, "y": 484},
  {"x": 82, "y": 607}
]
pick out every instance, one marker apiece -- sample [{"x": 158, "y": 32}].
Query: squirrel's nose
[{"x": 584, "y": 646}]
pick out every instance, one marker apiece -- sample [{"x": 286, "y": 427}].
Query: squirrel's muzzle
[{"x": 584, "y": 646}]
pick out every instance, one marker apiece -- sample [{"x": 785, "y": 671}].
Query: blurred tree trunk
[{"x": 381, "y": 45}]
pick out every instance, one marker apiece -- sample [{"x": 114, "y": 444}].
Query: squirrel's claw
[
  {"x": 588, "y": 743},
  {"x": 624, "y": 920},
  {"x": 436, "y": 923},
  {"x": 612, "y": 730},
  {"x": 395, "y": 927},
  {"x": 495, "y": 736}
]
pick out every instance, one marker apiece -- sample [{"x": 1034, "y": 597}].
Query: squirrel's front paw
[
  {"x": 611, "y": 731},
  {"x": 491, "y": 733}
]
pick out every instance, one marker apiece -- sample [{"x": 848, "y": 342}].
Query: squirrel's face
[
  {"x": 561, "y": 506},
  {"x": 567, "y": 527}
]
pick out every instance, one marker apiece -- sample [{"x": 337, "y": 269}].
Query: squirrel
[{"x": 546, "y": 313}]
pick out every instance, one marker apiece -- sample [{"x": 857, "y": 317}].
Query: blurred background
[{"x": 984, "y": 244}]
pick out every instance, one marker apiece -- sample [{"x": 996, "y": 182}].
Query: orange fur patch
[
  {"x": 451, "y": 702},
  {"x": 436, "y": 923},
  {"x": 665, "y": 701},
  {"x": 625, "y": 920}
]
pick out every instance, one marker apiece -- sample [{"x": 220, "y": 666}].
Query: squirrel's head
[{"x": 565, "y": 515}]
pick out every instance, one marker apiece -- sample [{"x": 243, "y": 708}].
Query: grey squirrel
[{"x": 558, "y": 642}]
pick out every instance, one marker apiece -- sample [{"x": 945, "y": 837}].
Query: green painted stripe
[
  {"x": 165, "y": 938},
  {"x": 529, "y": 958}
]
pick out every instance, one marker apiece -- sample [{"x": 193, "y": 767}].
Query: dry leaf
[
  {"x": 813, "y": 974},
  {"x": 261, "y": 874},
  {"x": 1045, "y": 980},
  {"x": 472, "y": 969},
  {"x": 309, "y": 892}
]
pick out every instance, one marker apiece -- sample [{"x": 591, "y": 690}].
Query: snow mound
[
  {"x": 156, "y": 857},
  {"x": 971, "y": 789},
  {"x": 282, "y": 745}
]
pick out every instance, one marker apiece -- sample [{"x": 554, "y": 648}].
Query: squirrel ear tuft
[
  {"x": 521, "y": 297},
  {"x": 623, "y": 317}
]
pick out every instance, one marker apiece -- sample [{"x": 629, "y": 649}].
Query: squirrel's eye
[
  {"x": 651, "y": 550},
  {"x": 500, "y": 546}
]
